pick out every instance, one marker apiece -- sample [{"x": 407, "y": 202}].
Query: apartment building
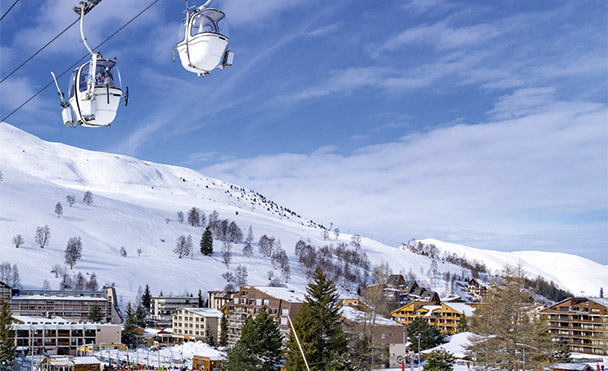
[
  {"x": 280, "y": 302},
  {"x": 73, "y": 306},
  {"x": 579, "y": 322},
  {"x": 192, "y": 323},
  {"x": 59, "y": 336},
  {"x": 446, "y": 316},
  {"x": 162, "y": 308},
  {"x": 5, "y": 292},
  {"x": 217, "y": 299}
]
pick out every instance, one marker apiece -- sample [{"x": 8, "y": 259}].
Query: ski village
[{"x": 110, "y": 262}]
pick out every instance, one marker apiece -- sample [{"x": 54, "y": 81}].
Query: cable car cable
[
  {"x": 9, "y": 9},
  {"x": 39, "y": 50},
  {"x": 77, "y": 62},
  {"x": 47, "y": 44}
]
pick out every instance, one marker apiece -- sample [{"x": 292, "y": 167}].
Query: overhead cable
[
  {"x": 9, "y": 9},
  {"x": 78, "y": 61}
]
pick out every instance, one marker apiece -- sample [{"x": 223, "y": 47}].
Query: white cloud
[{"x": 528, "y": 176}]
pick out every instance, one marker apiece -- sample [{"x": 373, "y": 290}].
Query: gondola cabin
[
  {"x": 204, "y": 45},
  {"x": 95, "y": 96}
]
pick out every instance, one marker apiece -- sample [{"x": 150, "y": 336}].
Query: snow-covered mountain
[{"x": 135, "y": 205}]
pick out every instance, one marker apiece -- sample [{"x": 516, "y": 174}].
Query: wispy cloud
[{"x": 501, "y": 177}]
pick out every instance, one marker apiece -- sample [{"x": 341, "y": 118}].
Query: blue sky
[{"x": 474, "y": 122}]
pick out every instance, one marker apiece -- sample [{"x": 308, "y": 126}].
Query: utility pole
[{"x": 419, "y": 351}]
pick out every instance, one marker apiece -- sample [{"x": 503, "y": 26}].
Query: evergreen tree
[
  {"x": 207, "y": 242},
  {"x": 140, "y": 316},
  {"x": 201, "y": 301},
  {"x": 439, "y": 360},
  {"x": 128, "y": 332},
  {"x": 7, "y": 337},
  {"x": 209, "y": 337},
  {"x": 430, "y": 336},
  {"x": 259, "y": 347},
  {"x": 318, "y": 327},
  {"x": 463, "y": 324},
  {"x": 223, "y": 332},
  {"x": 507, "y": 322},
  {"x": 146, "y": 299},
  {"x": 95, "y": 314}
]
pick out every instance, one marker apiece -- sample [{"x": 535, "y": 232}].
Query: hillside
[{"x": 135, "y": 206}]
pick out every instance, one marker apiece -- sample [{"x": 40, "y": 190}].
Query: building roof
[
  {"x": 282, "y": 293},
  {"x": 205, "y": 312},
  {"x": 45, "y": 297},
  {"x": 31, "y": 320},
  {"x": 85, "y": 360},
  {"x": 355, "y": 315},
  {"x": 463, "y": 308}
]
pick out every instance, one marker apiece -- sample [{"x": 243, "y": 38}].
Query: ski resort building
[
  {"x": 579, "y": 322},
  {"x": 71, "y": 305},
  {"x": 59, "y": 336},
  {"x": 5, "y": 292},
  {"x": 217, "y": 299},
  {"x": 192, "y": 323},
  {"x": 280, "y": 302},
  {"x": 446, "y": 316},
  {"x": 162, "y": 308}
]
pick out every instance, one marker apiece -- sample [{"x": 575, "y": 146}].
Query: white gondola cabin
[
  {"x": 204, "y": 43},
  {"x": 95, "y": 87}
]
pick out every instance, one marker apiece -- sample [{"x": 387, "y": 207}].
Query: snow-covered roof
[
  {"x": 27, "y": 320},
  {"x": 359, "y": 316},
  {"x": 283, "y": 293},
  {"x": 206, "y": 312},
  {"x": 601, "y": 301},
  {"x": 44, "y": 297},
  {"x": 463, "y": 308},
  {"x": 430, "y": 309},
  {"x": 85, "y": 360}
]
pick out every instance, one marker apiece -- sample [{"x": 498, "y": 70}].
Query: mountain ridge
[{"x": 135, "y": 206}]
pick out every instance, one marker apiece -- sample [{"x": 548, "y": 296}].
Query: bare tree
[
  {"x": 139, "y": 252},
  {"x": 248, "y": 248},
  {"x": 66, "y": 282},
  {"x": 241, "y": 275},
  {"x": 70, "y": 199},
  {"x": 73, "y": 251},
  {"x": 46, "y": 285},
  {"x": 336, "y": 232},
  {"x": 123, "y": 252},
  {"x": 79, "y": 282},
  {"x": 42, "y": 236},
  {"x": 87, "y": 198},
  {"x": 18, "y": 240},
  {"x": 180, "y": 217},
  {"x": 58, "y": 270},
  {"x": 183, "y": 246},
  {"x": 325, "y": 235},
  {"x": 93, "y": 285},
  {"x": 265, "y": 245},
  {"x": 58, "y": 209},
  {"x": 226, "y": 252},
  {"x": 194, "y": 217},
  {"x": 355, "y": 241}
]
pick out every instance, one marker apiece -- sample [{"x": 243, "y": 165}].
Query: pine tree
[
  {"x": 223, "y": 332},
  {"x": 259, "y": 347},
  {"x": 7, "y": 337},
  {"x": 207, "y": 242},
  {"x": 209, "y": 339},
  {"x": 439, "y": 360},
  {"x": 318, "y": 327},
  {"x": 95, "y": 314},
  {"x": 128, "y": 332},
  {"x": 140, "y": 316},
  {"x": 430, "y": 336},
  {"x": 463, "y": 324},
  {"x": 201, "y": 301},
  {"x": 146, "y": 299}
]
